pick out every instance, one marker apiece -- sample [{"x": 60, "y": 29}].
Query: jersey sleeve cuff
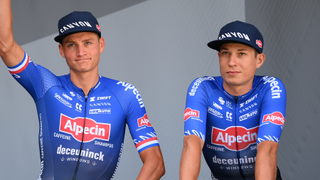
[
  {"x": 147, "y": 144},
  {"x": 21, "y": 66}
]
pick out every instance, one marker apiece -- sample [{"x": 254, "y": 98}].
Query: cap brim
[
  {"x": 59, "y": 38},
  {"x": 216, "y": 44}
]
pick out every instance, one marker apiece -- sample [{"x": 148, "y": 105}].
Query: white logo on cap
[
  {"x": 74, "y": 25},
  {"x": 234, "y": 34}
]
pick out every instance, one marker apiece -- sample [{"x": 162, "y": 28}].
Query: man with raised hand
[{"x": 82, "y": 115}]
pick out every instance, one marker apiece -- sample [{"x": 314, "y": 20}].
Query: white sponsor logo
[
  {"x": 61, "y": 136},
  {"x": 248, "y": 107},
  {"x": 221, "y": 100},
  {"x": 78, "y": 107},
  {"x": 100, "y": 104},
  {"x": 275, "y": 89},
  {"x": 229, "y": 116},
  {"x": 215, "y": 112},
  {"x": 217, "y": 106},
  {"x": 103, "y": 97},
  {"x": 229, "y": 105},
  {"x": 100, "y": 111},
  {"x": 79, "y": 98},
  {"x": 105, "y": 144},
  {"x": 16, "y": 76},
  {"x": 241, "y": 105},
  {"x": 195, "y": 132},
  {"x": 197, "y": 83},
  {"x": 249, "y": 115},
  {"x": 76, "y": 152},
  {"x": 67, "y": 97},
  {"x": 230, "y": 161},
  {"x": 251, "y": 99},
  {"x": 92, "y": 99},
  {"x": 134, "y": 90},
  {"x": 63, "y": 101}
]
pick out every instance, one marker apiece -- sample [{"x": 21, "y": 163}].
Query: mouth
[
  {"x": 232, "y": 73},
  {"x": 83, "y": 59}
]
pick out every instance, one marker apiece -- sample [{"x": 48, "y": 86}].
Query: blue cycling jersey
[
  {"x": 232, "y": 126},
  {"x": 81, "y": 137}
]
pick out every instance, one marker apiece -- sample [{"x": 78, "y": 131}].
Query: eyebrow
[
  {"x": 88, "y": 39},
  {"x": 72, "y": 41},
  {"x": 237, "y": 49}
]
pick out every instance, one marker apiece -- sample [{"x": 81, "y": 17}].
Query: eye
[
  {"x": 70, "y": 45},
  {"x": 88, "y": 42},
  {"x": 224, "y": 53},
  {"x": 242, "y": 53}
]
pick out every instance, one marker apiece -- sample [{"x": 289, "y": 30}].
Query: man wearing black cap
[
  {"x": 235, "y": 119},
  {"x": 82, "y": 115}
]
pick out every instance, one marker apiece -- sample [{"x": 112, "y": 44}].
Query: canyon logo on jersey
[
  {"x": 234, "y": 138},
  {"x": 92, "y": 130},
  {"x": 144, "y": 121},
  {"x": 191, "y": 113},
  {"x": 275, "y": 118}
]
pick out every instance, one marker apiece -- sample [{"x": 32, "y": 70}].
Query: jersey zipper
[
  {"x": 84, "y": 125},
  {"x": 237, "y": 147}
]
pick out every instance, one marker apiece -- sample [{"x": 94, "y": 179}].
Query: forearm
[
  {"x": 189, "y": 165},
  {"x": 11, "y": 53},
  {"x": 6, "y": 33},
  {"x": 266, "y": 165},
  {"x": 191, "y": 158},
  {"x": 151, "y": 171},
  {"x": 153, "y": 164}
]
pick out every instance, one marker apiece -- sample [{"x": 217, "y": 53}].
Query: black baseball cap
[
  {"x": 239, "y": 32},
  {"x": 77, "y": 21}
]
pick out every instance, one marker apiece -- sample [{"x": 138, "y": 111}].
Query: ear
[
  {"x": 102, "y": 44},
  {"x": 61, "y": 50},
  {"x": 260, "y": 60}
]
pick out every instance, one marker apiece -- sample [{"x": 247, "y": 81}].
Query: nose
[
  {"x": 81, "y": 50},
  {"x": 233, "y": 59}
]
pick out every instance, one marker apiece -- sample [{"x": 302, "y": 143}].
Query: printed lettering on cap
[{"x": 73, "y": 25}]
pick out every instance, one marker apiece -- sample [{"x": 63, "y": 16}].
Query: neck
[
  {"x": 236, "y": 90},
  {"x": 85, "y": 81}
]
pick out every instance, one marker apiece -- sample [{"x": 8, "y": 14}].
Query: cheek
[
  {"x": 220, "y": 67},
  {"x": 68, "y": 54},
  {"x": 69, "y": 63},
  {"x": 223, "y": 65},
  {"x": 251, "y": 70}
]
